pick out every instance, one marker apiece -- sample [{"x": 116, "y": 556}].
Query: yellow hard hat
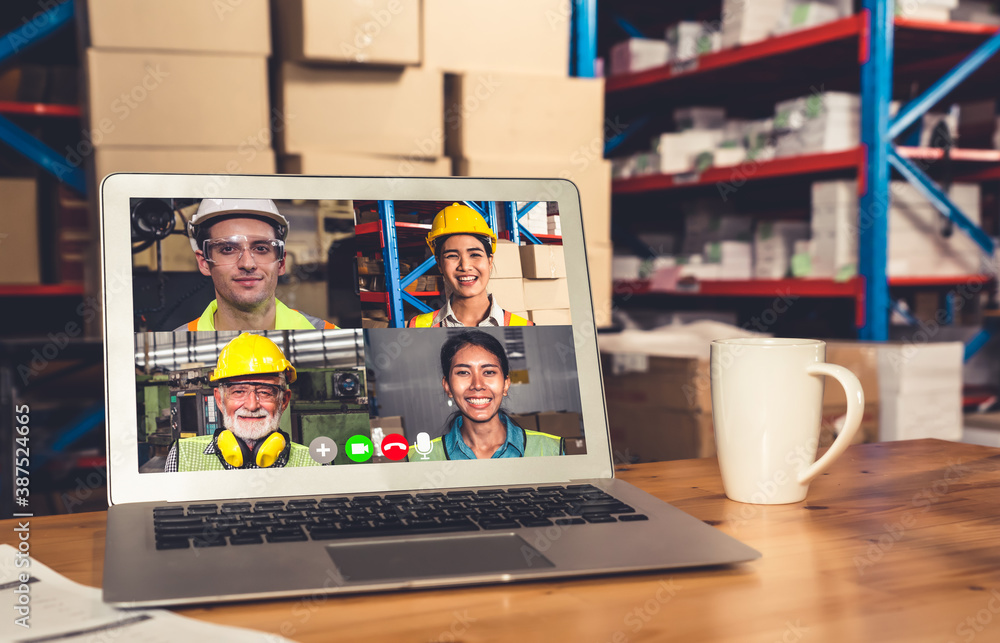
[
  {"x": 460, "y": 219},
  {"x": 250, "y": 354}
]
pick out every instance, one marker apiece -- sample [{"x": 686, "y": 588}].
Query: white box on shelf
[{"x": 638, "y": 54}]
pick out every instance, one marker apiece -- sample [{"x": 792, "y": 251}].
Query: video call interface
[{"x": 290, "y": 333}]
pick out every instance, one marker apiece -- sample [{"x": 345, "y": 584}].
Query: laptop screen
[{"x": 282, "y": 334}]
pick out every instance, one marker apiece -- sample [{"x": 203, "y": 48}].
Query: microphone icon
[{"x": 423, "y": 445}]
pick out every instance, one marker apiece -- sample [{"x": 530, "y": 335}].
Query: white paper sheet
[{"x": 63, "y": 610}]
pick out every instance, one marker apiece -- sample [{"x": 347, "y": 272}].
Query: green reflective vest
[{"x": 191, "y": 455}]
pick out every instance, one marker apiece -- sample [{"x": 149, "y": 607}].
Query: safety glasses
[
  {"x": 241, "y": 392},
  {"x": 229, "y": 250}
]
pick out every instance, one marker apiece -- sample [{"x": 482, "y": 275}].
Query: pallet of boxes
[{"x": 177, "y": 87}]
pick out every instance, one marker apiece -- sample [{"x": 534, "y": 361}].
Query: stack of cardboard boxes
[
  {"x": 511, "y": 109},
  {"x": 353, "y": 92},
  {"x": 918, "y": 244},
  {"x": 19, "y": 248},
  {"x": 177, "y": 87}
]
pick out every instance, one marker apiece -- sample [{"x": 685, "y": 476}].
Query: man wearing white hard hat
[{"x": 240, "y": 244}]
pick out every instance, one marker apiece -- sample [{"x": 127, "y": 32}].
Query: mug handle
[{"x": 855, "y": 411}]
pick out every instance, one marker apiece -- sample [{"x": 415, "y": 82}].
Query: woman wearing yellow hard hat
[{"x": 463, "y": 245}]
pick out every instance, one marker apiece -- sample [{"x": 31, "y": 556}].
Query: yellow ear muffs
[
  {"x": 231, "y": 449},
  {"x": 267, "y": 452}
]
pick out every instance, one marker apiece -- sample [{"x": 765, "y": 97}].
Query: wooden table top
[{"x": 898, "y": 542}]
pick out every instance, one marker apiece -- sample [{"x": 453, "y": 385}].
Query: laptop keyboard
[{"x": 400, "y": 514}]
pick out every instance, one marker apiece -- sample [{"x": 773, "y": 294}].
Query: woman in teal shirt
[{"x": 476, "y": 376}]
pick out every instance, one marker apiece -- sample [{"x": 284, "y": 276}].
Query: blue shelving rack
[
  {"x": 27, "y": 35},
  {"x": 878, "y": 131}
]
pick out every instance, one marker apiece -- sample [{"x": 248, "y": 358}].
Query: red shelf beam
[
  {"x": 39, "y": 109},
  {"x": 799, "y": 165},
  {"x": 791, "y": 166},
  {"x": 843, "y": 29},
  {"x": 375, "y": 227},
  {"x": 45, "y": 290},
  {"x": 955, "y": 27},
  {"x": 381, "y": 297},
  {"x": 853, "y": 288}
]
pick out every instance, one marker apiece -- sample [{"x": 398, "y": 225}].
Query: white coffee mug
[{"x": 767, "y": 401}]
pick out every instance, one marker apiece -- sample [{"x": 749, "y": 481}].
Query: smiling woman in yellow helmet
[
  {"x": 463, "y": 245},
  {"x": 251, "y": 378}
]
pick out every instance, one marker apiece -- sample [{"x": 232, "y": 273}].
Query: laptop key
[
  {"x": 570, "y": 521},
  {"x": 248, "y": 539},
  {"x": 173, "y": 543},
  {"x": 168, "y": 511},
  {"x": 286, "y": 538},
  {"x": 181, "y": 531},
  {"x": 596, "y": 518},
  {"x": 633, "y": 517},
  {"x": 458, "y": 494},
  {"x": 235, "y": 507},
  {"x": 551, "y": 488},
  {"x": 499, "y": 524},
  {"x": 325, "y": 533},
  {"x": 209, "y": 542},
  {"x": 177, "y": 520},
  {"x": 536, "y": 522}
]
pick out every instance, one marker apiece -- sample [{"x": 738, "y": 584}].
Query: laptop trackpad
[{"x": 434, "y": 556}]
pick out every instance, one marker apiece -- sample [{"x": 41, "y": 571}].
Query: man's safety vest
[
  {"x": 285, "y": 318},
  {"x": 191, "y": 455},
  {"x": 426, "y": 320}
]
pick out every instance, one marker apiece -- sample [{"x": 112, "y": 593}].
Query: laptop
[{"x": 385, "y": 477}]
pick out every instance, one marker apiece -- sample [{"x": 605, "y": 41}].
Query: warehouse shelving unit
[
  {"x": 30, "y": 33},
  {"x": 392, "y": 235},
  {"x": 892, "y": 53}
]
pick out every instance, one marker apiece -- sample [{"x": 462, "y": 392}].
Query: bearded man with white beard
[{"x": 251, "y": 392}]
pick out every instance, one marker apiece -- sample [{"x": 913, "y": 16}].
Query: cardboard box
[
  {"x": 527, "y": 421},
  {"x": 653, "y": 434},
  {"x": 341, "y": 164},
  {"x": 108, "y": 160},
  {"x": 833, "y": 422},
  {"x": 242, "y": 27},
  {"x": 861, "y": 358},
  {"x": 545, "y": 294},
  {"x": 19, "y": 243},
  {"x": 508, "y": 293},
  {"x": 575, "y": 446},
  {"x": 506, "y": 261},
  {"x": 599, "y": 258},
  {"x": 176, "y": 100},
  {"x": 352, "y": 31},
  {"x": 562, "y": 423},
  {"x": 593, "y": 181},
  {"x": 674, "y": 383},
  {"x": 384, "y": 111},
  {"x": 559, "y": 317},
  {"x": 518, "y": 116},
  {"x": 518, "y": 36},
  {"x": 542, "y": 261},
  {"x": 637, "y": 54}
]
